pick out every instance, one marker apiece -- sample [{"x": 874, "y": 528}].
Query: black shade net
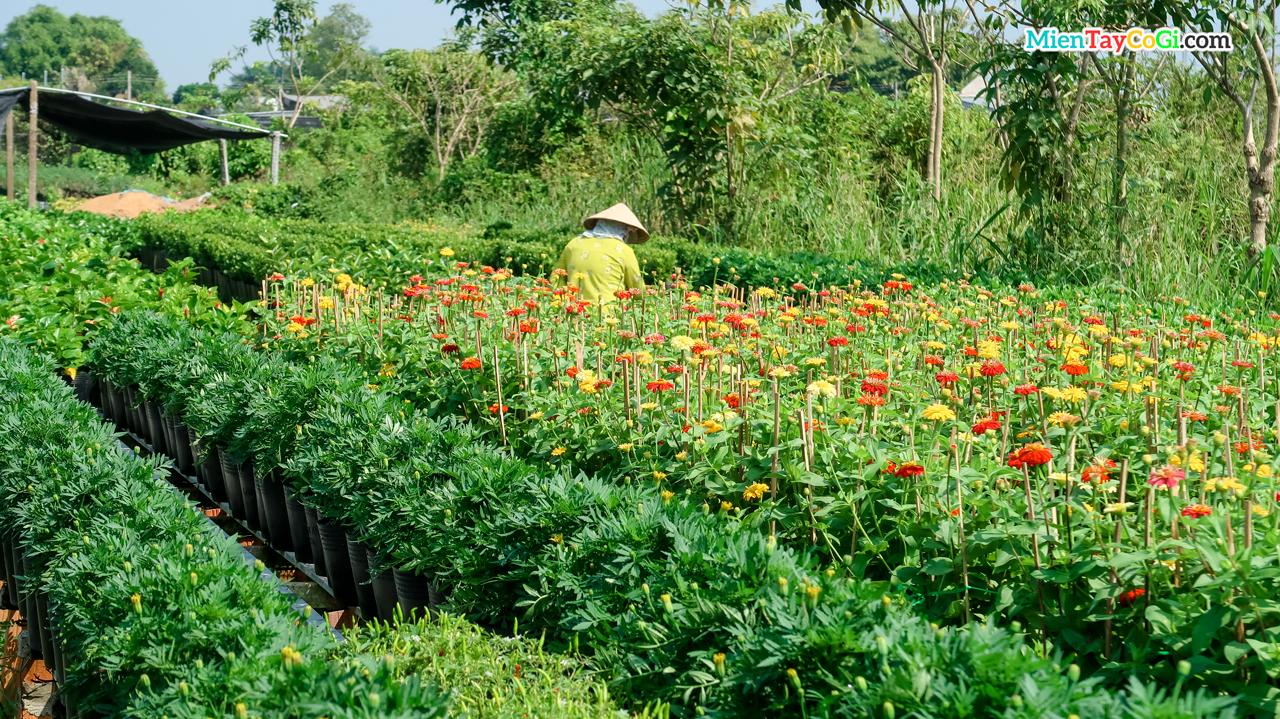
[{"x": 118, "y": 130}]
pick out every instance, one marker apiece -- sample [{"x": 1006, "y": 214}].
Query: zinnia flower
[
  {"x": 909, "y": 469},
  {"x": 1031, "y": 455},
  {"x": 1167, "y": 477},
  {"x": 755, "y": 491},
  {"x": 1196, "y": 511},
  {"x": 938, "y": 413},
  {"x": 471, "y": 363}
]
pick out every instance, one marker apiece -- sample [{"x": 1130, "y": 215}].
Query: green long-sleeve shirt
[{"x": 598, "y": 267}]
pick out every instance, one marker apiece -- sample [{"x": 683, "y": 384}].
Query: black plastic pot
[
  {"x": 170, "y": 442},
  {"x": 384, "y": 588},
  {"x": 359, "y": 556},
  {"x": 313, "y": 534},
  {"x": 297, "y": 526},
  {"x": 231, "y": 480},
  {"x": 206, "y": 466},
  {"x": 83, "y": 385},
  {"x": 15, "y": 568},
  {"x": 8, "y": 597},
  {"x": 155, "y": 428},
  {"x": 28, "y": 607},
  {"x": 180, "y": 445},
  {"x": 275, "y": 515},
  {"x": 132, "y": 413},
  {"x": 46, "y": 636},
  {"x": 413, "y": 594},
  {"x": 249, "y": 490},
  {"x": 338, "y": 562}
]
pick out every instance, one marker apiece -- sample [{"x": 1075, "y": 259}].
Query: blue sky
[{"x": 183, "y": 39}]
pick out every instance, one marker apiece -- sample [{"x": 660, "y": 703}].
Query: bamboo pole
[{"x": 32, "y": 137}]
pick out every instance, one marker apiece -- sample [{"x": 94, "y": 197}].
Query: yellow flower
[
  {"x": 938, "y": 413},
  {"x": 682, "y": 456},
  {"x": 626, "y": 446},
  {"x": 1117, "y": 508},
  {"x": 649, "y": 405},
  {"x": 812, "y": 591},
  {"x": 816, "y": 361},
  {"x": 844, "y": 421},
  {"x": 989, "y": 350},
  {"x": 307, "y": 282},
  {"x": 1196, "y": 464},
  {"x": 1075, "y": 395},
  {"x": 342, "y": 279},
  {"x": 822, "y": 388},
  {"x": 1118, "y": 360},
  {"x": 536, "y": 415},
  {"x": 667, "y": 495},
  {"x": 294, "y": 327},
  {"x": 778, "y": 372},
  {"x": 326, "y": 303},
  {"x": 1122, "y": 385},
  {"x": 779, "y": 352},
  {"x": 558, "y": 451},
  {"x": 765, "y": 292},
  {"x": 1010, "y": 326},
  {"x": 1224, "y": 484},
  {"x": 588, "y": 386},
  {"x": 726, "y": 507},
  {"x": 684, "y": 343},
  {"x": 388, "y": 370},
  {"x": 446, "y": 252},
  {"x": 1063, "y": 419},
  {"x": 755, "y": 491},
  {"x": 711, "y": 426},
  {"x": 1263, "y": 470},
  {"x": 659, "y": 476},
  {"x": 644, "y": 358},
  {"x": 558, "y": 539},
  {"x": 1260, "y": 510}
]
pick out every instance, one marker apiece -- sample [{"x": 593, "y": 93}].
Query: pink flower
[{"x": 1167, "y": 477}]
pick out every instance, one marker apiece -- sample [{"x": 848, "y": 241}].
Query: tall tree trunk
[
  {"x": 939, "y": 104},
  {"x": 1120, "y": 176},
  {"x": 1262, "y": 178}
]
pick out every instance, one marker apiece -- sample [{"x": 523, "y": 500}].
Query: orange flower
[{"x": 471, "y": 363}]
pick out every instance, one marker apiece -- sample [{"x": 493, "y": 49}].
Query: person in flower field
[{"x": 600, "y": 262}]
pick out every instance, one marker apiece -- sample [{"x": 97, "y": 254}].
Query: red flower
[
  {"x": 1031, "y": 455},
  {"x": 871, "y": 385},
  {"x": 933, "y": 360},
  {"x": 471, "y": 363},
  {"x": 986, "y": 425},
  {"x": 1184, "y": 370},
  {"x": 732, "y": 400},
  {"x": 992, "y": 368},
  {"x": 1196, "y": 511},
  {"x": 909, "y": 469},
  {"x": 1099, "y": 470},
  {"x": 493, "y": 409},
  {"x": 1128, "y": 598},
  {"x": 1075, "y": 369},
  {"x": 449, "y": 349},
  {"x": 838, "y": 342},
  {"x": 660, "y": 385},
  {"x": 871, "y": 400},
  {"x": 947, "y": 378},
  {"x": 1025, "y": 389}
]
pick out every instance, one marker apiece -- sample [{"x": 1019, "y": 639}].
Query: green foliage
[
  {"x": 44, "y": 40},
  {"x": 155, "y": 609}
]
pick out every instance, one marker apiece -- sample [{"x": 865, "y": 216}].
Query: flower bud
[
  {"x": 889, "y": 711},
  {"x": 860, "y": 683},
  {"x": 145, "y": 680},
  {"x": 136, "y": 600},
  {"x": 718, "y": 660},
  {"x": 783, "y": 586},
  {"x": 1184, "y": 668},
  {"x": 794, "y": 678},
  {"x": 242, "y": 711},
  {"x": 666, "y": 603},
  {"x": 1073, "y": 672},
  {"x": 194, "y": 579}
]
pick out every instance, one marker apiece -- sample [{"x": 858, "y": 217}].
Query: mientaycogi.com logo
[{"x": 1096, "y": 39}]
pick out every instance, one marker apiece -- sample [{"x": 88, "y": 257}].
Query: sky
[{"x": 183, "y": 39}]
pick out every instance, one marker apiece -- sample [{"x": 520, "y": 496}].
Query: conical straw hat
[{"x": 620, "y": 213}]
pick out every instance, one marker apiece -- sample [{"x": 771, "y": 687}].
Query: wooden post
[
  {"x": 11, "y": 186},
  {"x": 226, "y": 173},
  {"x": 275, "y": 158},
  {"x": 32, "y": 133},
  {"x": 128, "y": 84}
]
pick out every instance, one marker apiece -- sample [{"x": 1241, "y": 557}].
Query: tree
[
  {"x": 287, "y": 35},
  {"x": 197, "y": 96},
  {"x": 343, "y": 27},
  {"x": 97, "y": 50},
  {"x": 451, "y": 94},
  {"x": 1252, "y": 26}
]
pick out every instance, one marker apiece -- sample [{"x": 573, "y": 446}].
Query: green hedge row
[
  {"x": 674, "y": 603},
  {"x": 148, "y": 609},
  {"x": 249, "y": 248}
]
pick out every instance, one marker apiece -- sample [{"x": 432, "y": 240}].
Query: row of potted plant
[
  {"x": 137, "y": 603},
  {"x": 676, "y": 603}
]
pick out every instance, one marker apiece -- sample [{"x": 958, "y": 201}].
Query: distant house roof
[
  {"x": 969, "y": 93},
  {"x": 324, "y": 102},
  {"x": 304, "y": 122}
]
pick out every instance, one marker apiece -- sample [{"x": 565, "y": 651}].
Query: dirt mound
[{"x": 132, "y": 203}]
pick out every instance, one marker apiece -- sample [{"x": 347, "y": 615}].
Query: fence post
[
  {"x": 31, "y": 145},
  {"x": 226, "y": 174},
  {"x": 10, "y": 184},
  {"x": 275, "y": 158}
]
